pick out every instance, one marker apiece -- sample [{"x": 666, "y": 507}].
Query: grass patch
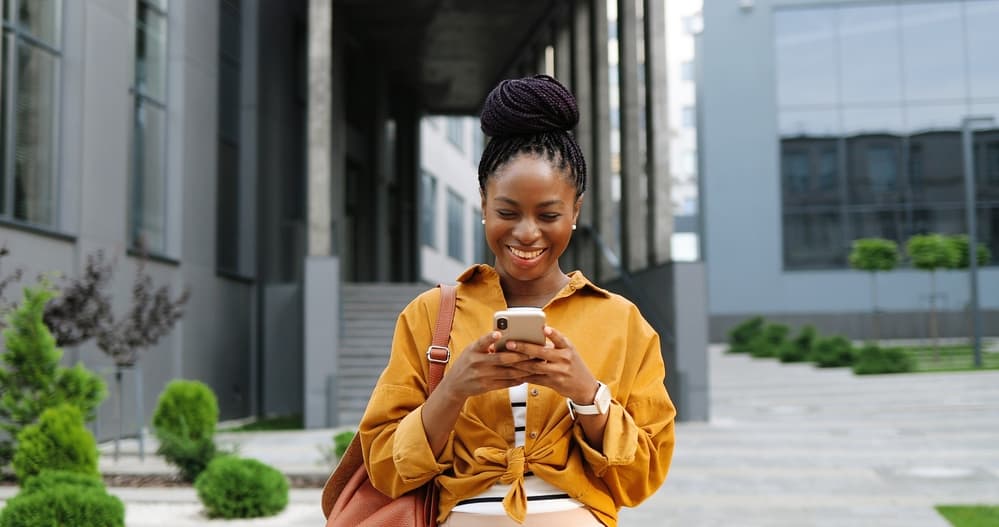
[
  {"x": 283, "y": 422},
  {"x": 970, "y": 515},
  {"x": 950, "y": 358}
]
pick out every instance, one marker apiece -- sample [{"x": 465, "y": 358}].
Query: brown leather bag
[{"x": 349, "y": 499}]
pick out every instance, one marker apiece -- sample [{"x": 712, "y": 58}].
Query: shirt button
[
  {"x": 534, "y": 435},
  {"x": 534, "y": 392}
]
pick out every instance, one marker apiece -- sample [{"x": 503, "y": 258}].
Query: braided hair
[{"x": 532, "y": 115}]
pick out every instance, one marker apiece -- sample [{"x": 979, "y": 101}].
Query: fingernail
[
  {"x": 511, "y": 346},
  {"x": 548, "y": 330}
]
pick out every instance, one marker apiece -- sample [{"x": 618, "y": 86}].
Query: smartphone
[{"x": 524, "y": 324}]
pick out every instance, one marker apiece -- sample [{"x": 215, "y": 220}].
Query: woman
[{"x": 560, "y": 434}]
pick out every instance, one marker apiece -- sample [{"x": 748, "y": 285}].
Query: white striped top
[{"x": 541, "y": 495}]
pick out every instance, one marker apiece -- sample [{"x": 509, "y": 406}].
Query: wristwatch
[{"x": 601, "y": 403}]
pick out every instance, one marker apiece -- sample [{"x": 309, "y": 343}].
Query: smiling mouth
[{"x": 526, "y": 255}]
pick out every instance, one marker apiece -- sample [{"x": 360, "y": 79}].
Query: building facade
[
  {"x": 265, "y": 154},
  {"x": 825, "y": 122}
]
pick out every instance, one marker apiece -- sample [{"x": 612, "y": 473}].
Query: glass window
[
  {"x": 806, "y": 56},
  {"x": 872, "y": 147},
  {"x": 935, "y": 176},
  {"x": 814, "y": 240},
  {"x": 42, "y": 19},
  {"x": 933, "y": 51},
  {"x": 456, "y": 132},
  {"x": 688, "y": 117},
  {"x": 455, "y": 226},
  {"x": 981, "y": 20},
  {"x": 30, "y": 113},
  {"x": 428, "y": 209},
  {"x": 868, "y": 54},
  {"x": 229, "y": 184},
  {"x": 687, "y": 70},
  {"x": 148, "y": 216}
]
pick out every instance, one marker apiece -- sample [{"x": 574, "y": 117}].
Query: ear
[
  {"x": 575, "y": 209},
  {"x": 482, "y": 204}
]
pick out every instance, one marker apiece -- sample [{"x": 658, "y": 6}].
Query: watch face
[{"x": 603, "y": 399}]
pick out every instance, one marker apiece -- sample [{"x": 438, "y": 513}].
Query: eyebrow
[{"x": 514, "y": 202}]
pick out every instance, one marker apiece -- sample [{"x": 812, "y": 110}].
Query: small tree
[
  {"x": 874, "y": 255},
  {"x": 83, "y": 312},
  {"x": 930, "y": 252},
  {"x": 31, "y": 379}
]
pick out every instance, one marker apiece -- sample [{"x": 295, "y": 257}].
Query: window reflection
[{"x": 871, "y": 99}]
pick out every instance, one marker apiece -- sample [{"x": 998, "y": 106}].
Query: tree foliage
[
  {"x": 960, "y": 248},
  {"x": 874, "y": 254},
  {"x": 31, "y": 379},
  {"x": 83, "y": 311},
  {"x": 930, "y": 252}
]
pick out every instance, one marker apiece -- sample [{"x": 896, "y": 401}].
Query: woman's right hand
[{"x": 482, "y": 368}]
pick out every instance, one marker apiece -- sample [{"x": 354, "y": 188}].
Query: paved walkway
[{"x": 786, "y": 445}]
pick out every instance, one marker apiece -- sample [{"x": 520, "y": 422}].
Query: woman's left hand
[{"x": 558, "y": 366}]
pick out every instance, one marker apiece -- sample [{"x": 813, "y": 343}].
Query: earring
[
  {"x": 483, "y": 221},
  {"x": 573, "y": 226}
]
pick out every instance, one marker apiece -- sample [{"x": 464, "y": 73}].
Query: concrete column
[
  {"x": 563, "y": 54},
  {"x": 600, "y": 169},
  {"x": 634, "y": 255},
  {"x": 320, "y": 58},
  {"x": 659, "y": 229},
  {"x": 585, "y": 253}
]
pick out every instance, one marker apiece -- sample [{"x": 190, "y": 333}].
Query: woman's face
[{"x": 530, "y": 207}]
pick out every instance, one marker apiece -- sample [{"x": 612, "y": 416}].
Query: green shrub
[
  {"x": 832, "y": 352},
  {"x": 184, "y": 422},
  {"x": 741, "y": 335},
  {"x": 190, "y": 456},
  {"x": 873, "y": 359},
  {"x": 58, "y": 441},
  {"x": 66, "y": 499},
  {"x": 799, "y": 349},
  {"x": 341, "y": 441},
  {"x": 768, "y": 343},
  {"x": 233, "y": 487},
  {"x": 31, "y": 379},
  {"x": 186, "y": 409},
  {"x": 52, "y": 478}
]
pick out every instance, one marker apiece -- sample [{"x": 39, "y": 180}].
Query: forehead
[{"x": 530, "y": 175}]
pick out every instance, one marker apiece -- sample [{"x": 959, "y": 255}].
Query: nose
[{"x": 526, "y": 231}]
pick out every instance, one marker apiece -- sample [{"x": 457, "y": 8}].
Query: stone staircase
[{"x": 368, "y": 320}]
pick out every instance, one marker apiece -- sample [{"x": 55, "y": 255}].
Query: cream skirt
[{"x": 580, "y": 517}]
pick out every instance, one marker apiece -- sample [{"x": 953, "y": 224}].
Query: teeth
[{"x": 527, "y": 255}]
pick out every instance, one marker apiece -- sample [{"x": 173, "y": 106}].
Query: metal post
[{"x": 969, "y": 205}]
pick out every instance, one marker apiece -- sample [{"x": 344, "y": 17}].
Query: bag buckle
[{"x": 447, "y": 356}]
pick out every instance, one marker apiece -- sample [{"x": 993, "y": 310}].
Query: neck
[{"x": 537, "y": 292}]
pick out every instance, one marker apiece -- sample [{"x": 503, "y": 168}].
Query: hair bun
[{"x": 529, "y": 106}]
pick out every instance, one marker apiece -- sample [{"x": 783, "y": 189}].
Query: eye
[
  {"x": 506, "y": 214},
  {"x": 550, "y": 216}
]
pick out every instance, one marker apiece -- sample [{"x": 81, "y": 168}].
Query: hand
[
  {"x": 481, "y": 368},
  {"x": 556, "y": 365}
]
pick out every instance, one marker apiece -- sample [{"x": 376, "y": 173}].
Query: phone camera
[{"x": 501, "y": 323}]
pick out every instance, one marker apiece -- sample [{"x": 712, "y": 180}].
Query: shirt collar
[{"x": 486, "y": 273}]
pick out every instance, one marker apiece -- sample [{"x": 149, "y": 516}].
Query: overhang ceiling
[{"x": 450, "y": 52}]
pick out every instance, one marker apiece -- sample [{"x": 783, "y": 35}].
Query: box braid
[{"x": 533, "y": 115}]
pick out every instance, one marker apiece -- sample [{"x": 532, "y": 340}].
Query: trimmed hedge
[
  {"x": 872, "y": 359},
  {"x": 832, "y": 352},
  {"x": 234, "y": 487},
  {"x": 59, "y": 440},
  {"x": 799, "y": 349},
  {"x": 769, "y": 342},
  {"x": 60, "y": 498},
  {"x": 740, "y": 336},
  {"x": 184, "y": 422}
]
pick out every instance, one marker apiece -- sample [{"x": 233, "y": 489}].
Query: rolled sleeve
[
  {"x": 620, "y": 441},
  {"x": 411, "y": 452}
]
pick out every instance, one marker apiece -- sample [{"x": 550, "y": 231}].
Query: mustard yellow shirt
[{"x": 618, "y": 345}]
